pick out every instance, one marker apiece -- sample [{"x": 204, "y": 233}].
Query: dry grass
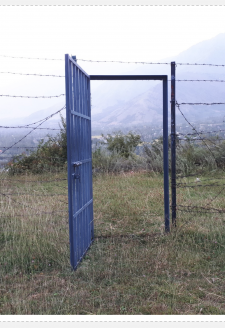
[{"x": 137, "y": 269}]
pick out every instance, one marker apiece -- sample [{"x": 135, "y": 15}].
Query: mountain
[
  {"x": 124, "y": 103},
  {"x": 142, "y": 108},
  {"x": 146, "y": 106},
  {"x": 37, "y": 116}
]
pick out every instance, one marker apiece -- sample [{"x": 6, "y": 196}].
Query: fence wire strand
[
  {"x": 198, "y": 209},
  {"x": 33, "y": 129},
  {"x": 183, "y": 208}
]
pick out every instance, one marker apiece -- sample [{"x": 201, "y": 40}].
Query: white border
[{"x": 112, "y": 3}]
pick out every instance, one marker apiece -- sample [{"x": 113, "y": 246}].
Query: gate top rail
[
  {"x": 128, "y": 77},
  {"x": 75, "y": 63}
]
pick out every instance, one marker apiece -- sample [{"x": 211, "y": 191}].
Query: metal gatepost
[
  {"x": 173, "y": 143},
  {"x": 79, "y": 160}
]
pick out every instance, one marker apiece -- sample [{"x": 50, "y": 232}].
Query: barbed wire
[
  {"x": 35, "y": 195},
  {"x": 199, "y": 80},
  {"x": 39, "y": 181},
  {"x": 47, "y": 118},
  {"x": 211, "y": 141},
  {"x": 188, "y": 176},
  {"x": 32, "y": 74},
  {"x": 11, "y": 96},
  {"x": 216, "y": 196},
  {"x": 202, "y": 179},
  {"x": 200, "y": 132},
  {"x": 19, "y": 147},
  {"x": 216, "y": 161},
  {"x": 130, "y": 236},
  {"x": 201, "y": 103},
  {"x": 204, "y": 208},
  {"x": 114, "y": 61},
  {"x": 181, "y": 185},
  {"x": 27, "y": 127},
  {"x": 150, "y": 63},
  {"x": 38, "y": 195},
  {"x": 221, "y": 178},
  {"x": 53, "y": 75},
  {"x": 199, "y": 176},
  {"x": 178, "y": 106},
  {"x": 24, "y": 216},
  {"x": 121, "y": 62},
  {"x": 201, "y": 64},
  {"x": 197, "y": 139},
  {"x": 194, "y": 209},
  {"x": 25, "y": 155},
  {"x": 30, "y": 207},
  {"x": 200, "y": 212},
  {"x": 18, "y": 57}
]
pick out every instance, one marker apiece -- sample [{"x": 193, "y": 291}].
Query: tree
[{"x": 122, "y": 144}]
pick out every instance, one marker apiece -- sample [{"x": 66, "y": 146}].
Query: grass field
[{"x": 132, "y": 267}]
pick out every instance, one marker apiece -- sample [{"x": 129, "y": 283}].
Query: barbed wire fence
[
  {"x": 210, "y": 141},
  {"x": 211, "y": 144},
  {"x": 19, "y": 197}
]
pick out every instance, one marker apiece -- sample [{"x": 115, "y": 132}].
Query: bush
[
  {"x": 124, "y": 145},
  {"x": 191, "y": 156},
  {"x": 50, "y": 156},
  {"x": 104, "y": 161},
  {"x": 116, "y": 153}
]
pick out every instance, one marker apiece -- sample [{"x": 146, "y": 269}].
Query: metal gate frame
[
  {"x": 82, "y": 212},
  {"x": 79, "y": 160},
  {"x": 164, "y": 79}
]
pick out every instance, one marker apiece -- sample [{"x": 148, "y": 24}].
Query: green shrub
[
  {"x": 116, "y": 153},
  {"x": 191, "y": 156},
  {"x": 104, "y": 161},
  {"x": 124, "y": 145},
  {"x": 50, "y": 156}
]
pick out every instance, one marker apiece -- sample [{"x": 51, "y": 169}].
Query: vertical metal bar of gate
[
  {"x": 165, "y": 155},
  {"x": 79, "y": 155},
  {"x": 173, "y": 143},
  {"x": 165, "y": 130},
  {"x": 79, "y": 160}
]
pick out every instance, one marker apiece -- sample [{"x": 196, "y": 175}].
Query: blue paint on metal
[
  {"x": 79, "y": 154},
  {"x": 80, "y": 194},
  {"x": 81, "y": 115},
  {"x": 166, "y": 156},
  {"x": 165, "y": 130},
  {"x": 173, "y": 142},
  {"x": 127, "y": 77}
]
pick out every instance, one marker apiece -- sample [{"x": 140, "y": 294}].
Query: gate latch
[
  {"x": 75, "y": 164},
  {"x": 76, "y": 176}
]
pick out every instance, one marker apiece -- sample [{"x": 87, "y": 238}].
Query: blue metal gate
[{"x": 79, "y": 160}]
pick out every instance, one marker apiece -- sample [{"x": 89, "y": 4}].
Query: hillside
[
  {"x": 122, "y": 103},
  {"x": 147, "y": 106}
]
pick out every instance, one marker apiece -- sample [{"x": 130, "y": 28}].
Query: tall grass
[
  {"x": 132, "y": 267},
  {"x": 192, "y": 156}
]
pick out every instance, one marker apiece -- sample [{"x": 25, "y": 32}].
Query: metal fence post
[
  {"x": 165, "y": 156},
  {"x": 173, "y": 143}
]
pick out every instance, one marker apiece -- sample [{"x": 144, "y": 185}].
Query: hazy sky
[
  {"x": 107, "y": 33},
  {"x": 97, "y": 33}
]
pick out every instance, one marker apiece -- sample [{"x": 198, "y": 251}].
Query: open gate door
[{"x": 79, "y": 160}]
